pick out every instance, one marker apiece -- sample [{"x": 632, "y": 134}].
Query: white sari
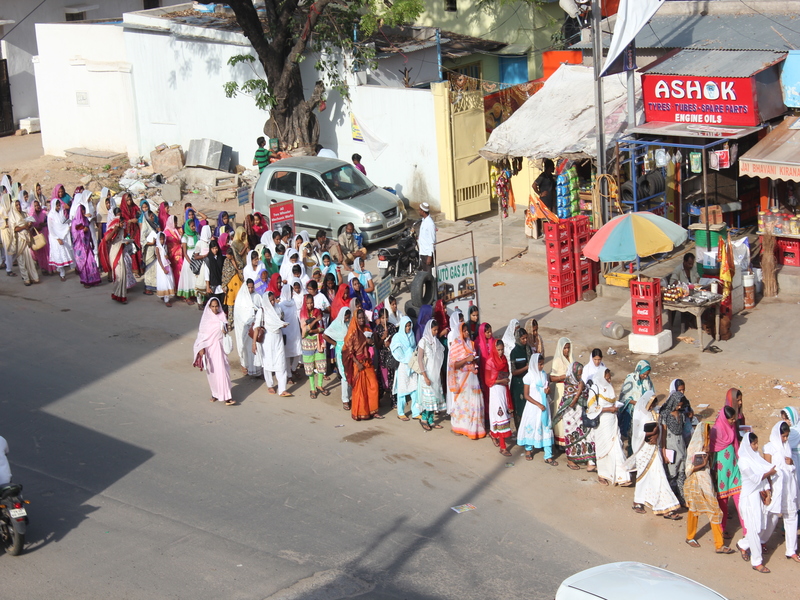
[
  {"x": 244, "y": 312},
  {"x": 608, "y": 450}
]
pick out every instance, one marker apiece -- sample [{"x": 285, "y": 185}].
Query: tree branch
[
  {"x": 316, "y": 95},
  {"x": 315, "y": 11},
  {"x": 247, "y": 17}
]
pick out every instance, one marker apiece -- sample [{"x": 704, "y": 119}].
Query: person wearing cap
[{"x": 427, "y": 238}]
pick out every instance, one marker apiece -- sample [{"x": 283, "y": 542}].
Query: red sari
[
  {"x": 130, "y": 216},
  {"x": 364, "y": 382},
  {"x": 484, "y": 351},
  {"x": 341, "y": 300},
  {"x": 499, "y": 399},
  {"x": 174, "y": 248}
]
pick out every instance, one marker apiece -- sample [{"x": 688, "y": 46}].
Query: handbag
[
  {"x": 588, "y": 423},
  {"x": 766, "y": 495},
  {"x": 257, "y": 333},
  {"x": 195, "y": 264},
  {"x": 413, "y": 363},
  {"x": 227, "y": 343},
  {"x": 39, "y": 241}
]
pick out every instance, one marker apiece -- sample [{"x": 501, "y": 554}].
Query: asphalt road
[{"x": 141, "y": 488}]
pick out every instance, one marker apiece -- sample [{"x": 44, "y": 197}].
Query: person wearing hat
[{"x": 427, "y": 238}]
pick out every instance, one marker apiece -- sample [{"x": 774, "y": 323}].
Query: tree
[{"x": 281, "y": 34}]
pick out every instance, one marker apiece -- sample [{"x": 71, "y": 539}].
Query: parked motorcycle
[
  {"x": 400, "y": 263},
  {"x": 13, "y": 518}
]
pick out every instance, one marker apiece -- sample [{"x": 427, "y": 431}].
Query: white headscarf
[
  {"x": 788, "y": 474},
  {"x": 163, "y": 251},
  {"x": 509, "y": 341},
  {"x": 272, "y": 322},
  {"x": 752, "y": 467},
  {"x": 57, "y": 224},
  {"x": 24, "y": 205},
  {"x": 5, "y": 183},
  {"x": 287, "y": 265},
  {"x": 455, "y": 324},
  {"x": 394, "y": 318},
  {"x": 561, "y": 363},
  {"x": 592, "y": 371},
  {"x": 534, "y": 376},
  {"x": 672, "y": 387},
  {"x": 338, "y": 329},
  {"x": 250, "y": 272},
  {"x": 641, "y": 416}
]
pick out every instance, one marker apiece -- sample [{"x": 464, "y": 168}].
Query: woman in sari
[
  {"x": 104, "y": 211},
  {"x": 425, "y": 314},
  {"x": 253, "y": 270},
  {"x": 733, "y": 398},
  {"x": 497, "y": 377},
  {"x": 520, "y": 357},
  {"x": 313, "y": 346},
  {"x": 365, "y": 278},
  {"x": 163, "y": 215},
  {"x": 356, "y": 289},
  {"x": 209, "y": 353},
  {"x": 174, "y": 249},
  {"x": 534, "y": 339},
  {"x": 214, "y": 263},
  {"x": 395, "y": 314},
  {"x": 456, "y": 319},
  {"x": 21, "y": 227},
  {"x": 292, "y": 334},
  {"x": 608, "y": 450},
  {"x": 672, "y": 419},
  {"x": 466, "y": 413},
  {"x": 191, "y": 265},
  {"x": 130, "y": 220},
  {"x": 260, "y": 224},
  {"x": 596, "y": 367},
  {"x": 223, "y": 225},
  {"x": 562, "y": 360},
  {"x": 40, "y": 197},
  {"x": 725, "y": 448},
  {"x": 165, "y": 282},
  {"x": 58, "y": 229},
  {"x": 329, "y": 267},
  {"x": 430, "y": 354},
  {"x": 483, "y": 346},
  {"x": 148, "y": 228},
  {"x": 473, "y": 322},
  {"x": 239, "y": 244},
  {"x": 756, "y": 478},
  {"x": 342, "y": 300},
  {"x": 329, "y": 287},
  {"x": 253, "y": 239},
  {"x": 579, "y": 448},
  {"x": 271, "y": 350},
  {"x": 60, "y": 193},
  {"x": 785, "y": 496},
  {"x": 85, "y": 263},
  {"x": 535, "y": 429},
  {"x": 405, "y": 379},
  {"x": 42, "y": 255},
  {"x": 791, "y": 416},
  {"x": 112, "y": 257},
  {"x": 652, "y": 488},
  {"x": 247, "y": 303},
  {"x": 359, "y": 371},
  {"x": 635, "y": 385},
  {"x": 232, "y": 280},
  {"x": 201, "y": 251},
  {"x": 385, "y": 363},
  {"x": 334, "y": 335},
  {"x": 698, "y": 490}
]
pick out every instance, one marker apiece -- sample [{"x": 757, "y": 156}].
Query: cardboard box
[{"x": 712, "y": 215}]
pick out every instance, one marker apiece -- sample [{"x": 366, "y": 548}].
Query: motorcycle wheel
[{"x": 13, "y": 542}]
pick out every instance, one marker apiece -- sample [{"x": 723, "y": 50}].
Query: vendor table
[{"x": 697, "y": 310}]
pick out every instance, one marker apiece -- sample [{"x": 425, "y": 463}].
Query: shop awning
[
  {"x": 777, "y": 156},
  {"x": 559, "y": 120},
  {"x": 693, "y": 130}
]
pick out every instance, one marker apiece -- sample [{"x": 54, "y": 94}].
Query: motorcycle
[
  {"x": 400, "y": 263},
  {"x": 13, "y": 518}
]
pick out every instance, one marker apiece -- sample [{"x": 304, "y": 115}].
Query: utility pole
[{"x": 597, "y": 54}]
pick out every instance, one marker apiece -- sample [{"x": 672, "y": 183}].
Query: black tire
[
  {"x": 423, "y": 289},
  {"x": 17, "y": 542},
  {"x": 412, "y": 311}
]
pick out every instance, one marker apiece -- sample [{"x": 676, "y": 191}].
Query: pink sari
[
  {"x": 209, "y": 338},
  {"x": 41, "y": 256}
]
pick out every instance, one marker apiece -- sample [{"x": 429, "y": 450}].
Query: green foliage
[{"x": 258, "y": 88}]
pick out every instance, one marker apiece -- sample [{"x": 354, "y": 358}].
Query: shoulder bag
[
  {"x": 258, "y": 333},
  {"x": 39, "y": 241}
]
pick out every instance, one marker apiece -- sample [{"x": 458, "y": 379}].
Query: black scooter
[
  {"x": 13, "y": 518},
  {"x": 401, "y": 263}
]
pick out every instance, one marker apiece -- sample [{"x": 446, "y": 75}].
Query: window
[
  {"x": 148, "y": 4},
  {"x": 310, "y": 187},
  {"x": 513, "y": 69},
  {"x": 76, "y": 16},
  {"x": 346, "y": 182},
  {"x": 451, "y": 5},
  {"x": 284, "y": 182}
]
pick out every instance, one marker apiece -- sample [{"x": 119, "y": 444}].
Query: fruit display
[{"x": 675, "y": 292}]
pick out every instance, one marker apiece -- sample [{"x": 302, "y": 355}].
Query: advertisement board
[
  {"x": 280, "y": 214},
  {"x": 708, "y": 100},
  {"x": 457, "y": 283},
  {"x": 383, "y": 289}
]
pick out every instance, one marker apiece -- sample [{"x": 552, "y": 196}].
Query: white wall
[
  {"x": 85, "y": 88},
  {"x": 19, "y": 46},
  {"x": 404, "y": 119},
  {"x": 423, "y": 67}
]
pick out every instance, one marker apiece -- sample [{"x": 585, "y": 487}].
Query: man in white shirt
[
  {"x": 5, "y": 468},
  {"x": 427, "y": 238}
]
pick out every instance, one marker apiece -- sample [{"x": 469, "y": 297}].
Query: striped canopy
[{"x": 632, "y": 235}]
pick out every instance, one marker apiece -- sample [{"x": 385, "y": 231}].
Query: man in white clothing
[
  {"x": 427, "y": 238},
  {"x": 5, "y": 468}
]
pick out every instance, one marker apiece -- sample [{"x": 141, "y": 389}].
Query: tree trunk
[{"x": 292, "y": 120}]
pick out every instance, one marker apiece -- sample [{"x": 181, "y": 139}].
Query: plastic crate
[
  {"x": 557, "y": 280},
  {"x": 647, "y": 326},
  {"x": 581, "y": 262},
  {"x": 564, "y": 299},
  {"x": 645, "y": 289},
  {"x": 580, "y": 225},
  {"x": 557, "y": 248},
  {"x": 646, "y": 309},
  {"x": 560, "y": 288},
  {"x": 560, "y": 264},
  {"x": 583, "y": 275},
  {"x": 788, "y": 251},
  {"x": 557, "y": 231},
  {"x": 580, "y": 241},
  {"x": 584, "y": 287}
]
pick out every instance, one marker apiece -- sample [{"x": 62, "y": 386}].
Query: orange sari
[{"x": 363, "y": 383}]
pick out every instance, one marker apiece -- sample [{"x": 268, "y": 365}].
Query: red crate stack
[
  {"x": 788, "y": 251},
  {"x": 581, "y": 234},
  {"x": 560, "y": 264},
  {"x": 646, "y": 307}
]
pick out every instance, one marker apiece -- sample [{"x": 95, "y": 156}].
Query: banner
[
  {"x": 458, "y": 284},
  {"x": 632, "y": 16},
  {"x": 280, "y": 214}
]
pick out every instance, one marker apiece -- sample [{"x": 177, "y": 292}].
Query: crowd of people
[{"x": 299, "y": 308}]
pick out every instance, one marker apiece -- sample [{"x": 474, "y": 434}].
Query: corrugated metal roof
[
  {"x": 717, "y": 63},
  {"x": 764, "y": 31}
]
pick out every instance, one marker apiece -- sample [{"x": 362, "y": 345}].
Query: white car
[{"x": 632, "y": 581}]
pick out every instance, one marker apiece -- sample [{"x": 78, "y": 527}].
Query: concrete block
[
  {"x": 788, "y": 281},
  {"x": 650, "y": 344},
  {"x": 210, "y": 154},
  {"x": 167, "y": 162}
]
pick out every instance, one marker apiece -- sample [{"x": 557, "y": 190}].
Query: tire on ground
[
  {"x": 412, "y": 311},
  {"x": 423, "y": 289}
]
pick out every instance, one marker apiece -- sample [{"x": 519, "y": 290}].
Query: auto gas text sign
[
  {"x": 710, "y": 100},
  {"x": 457, "y": 282}
]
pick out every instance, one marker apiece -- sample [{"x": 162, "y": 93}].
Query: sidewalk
[{"x": 16, "y": 149}]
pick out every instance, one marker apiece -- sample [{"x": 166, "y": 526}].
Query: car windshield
[{"x": 346, "y": 182}]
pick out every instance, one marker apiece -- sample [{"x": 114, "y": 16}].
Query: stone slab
[
  {"x": 167, "y": 162},
  {"x": 650, "y": 344},
  {"x": 210, "y": 154}
]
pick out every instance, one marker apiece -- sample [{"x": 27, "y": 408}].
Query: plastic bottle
[{"x": 612, "y": 329}]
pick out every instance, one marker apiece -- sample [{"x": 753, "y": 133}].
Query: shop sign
[
  {"x": 458, "y": 284},
  {"x": 709, "y": 100},
  {"x": 769, "y": 170}
]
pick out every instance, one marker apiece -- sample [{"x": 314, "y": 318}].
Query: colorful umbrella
[{"x": 628, "y": 236}]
